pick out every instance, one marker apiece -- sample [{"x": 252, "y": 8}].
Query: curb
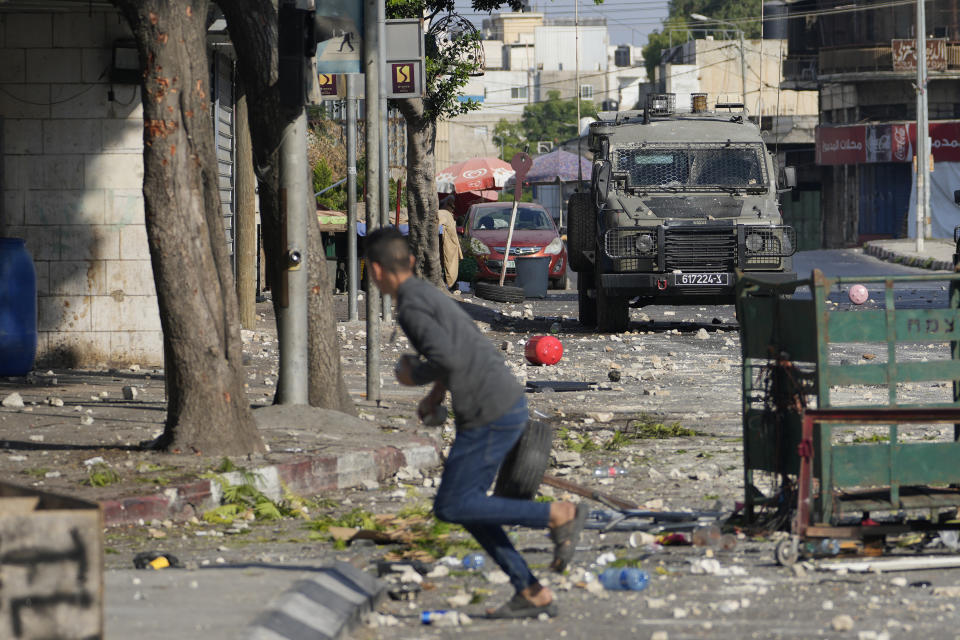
[
  {"x": 325, "y": 605},
  {"x": 874, "y": 249},
  {"x": 308, "y": 476}
]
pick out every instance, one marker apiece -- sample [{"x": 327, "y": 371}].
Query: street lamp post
[{"x": 743, "y": 53}]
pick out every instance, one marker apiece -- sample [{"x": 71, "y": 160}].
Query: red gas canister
[{"x": 543, "y": 350}]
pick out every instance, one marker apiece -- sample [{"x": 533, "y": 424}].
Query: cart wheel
[
  {"x": 787, "y": 552},
  {"x": 495, "y": 292},
  {"x": 522, "y": 470}
]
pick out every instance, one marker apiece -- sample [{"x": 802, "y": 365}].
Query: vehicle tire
[
  {"x": 613, "y": 312},
  {"x": 587, "y": 305},
  {"x": 496, "y": 293},
  {"x": 522, "y": 470},
  {"x": 560, "y": 283},
  {"x": 581, "y": 231}
]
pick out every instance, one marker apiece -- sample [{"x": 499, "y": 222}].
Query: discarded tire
[
  {"x": 496, "y": 293},
  {"x": 522, "y": 471},
  {"x": 581, "y": 231}
]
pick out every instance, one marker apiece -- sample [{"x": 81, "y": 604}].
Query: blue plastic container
[
  {"x": 628, "y": 579},
  {"x": 18, "y": 308}
]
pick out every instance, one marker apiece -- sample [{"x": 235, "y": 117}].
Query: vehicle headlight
[
  {"x": 555, "y": 247},
  {"x": 645, "y": 243},
  {"x": 478, "y": 247},
  {"x": 754, "y": 242}
]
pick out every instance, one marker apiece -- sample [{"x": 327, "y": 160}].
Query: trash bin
[
  {"x": 18, "y": 308},
  {"x": 532, "y": 276}
]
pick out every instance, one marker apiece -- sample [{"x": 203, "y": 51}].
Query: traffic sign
[
  {"x": 338, "y": 26},
  {"x": 403, "y": 77},
  {"x": 328, "y": 84}
]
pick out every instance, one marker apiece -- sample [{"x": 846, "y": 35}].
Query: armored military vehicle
[{"x": 678, "y": 203}]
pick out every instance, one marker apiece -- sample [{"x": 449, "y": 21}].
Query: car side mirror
[
  {"x": 956, "y": 196},
  {"x": 602, "y": 182},
  {"x": 788, "y": 177}
]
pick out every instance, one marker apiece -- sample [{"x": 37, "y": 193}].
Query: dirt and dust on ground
[{"x": 661, "y": 404}]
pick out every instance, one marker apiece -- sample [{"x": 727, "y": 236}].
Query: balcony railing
[{"x": 873, "y": 58}]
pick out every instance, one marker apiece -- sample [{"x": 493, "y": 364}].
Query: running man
[{"x": 491, "y": 413}]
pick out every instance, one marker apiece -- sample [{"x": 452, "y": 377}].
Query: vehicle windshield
[
  {"x": 701, "y": 167},
  {"x": 528, "y": 219}
]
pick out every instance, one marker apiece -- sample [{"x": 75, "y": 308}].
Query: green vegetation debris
[
  {"x": 102, "y": 475},
  {"x": 648, "y": 428},
  {"x": 576, "y": 442},
  {"x": 874, "y": 438},
  {"x": 246, "y": 501}
]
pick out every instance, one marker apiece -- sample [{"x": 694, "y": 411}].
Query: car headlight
[
  {"x": 645, "y": 243},
  {"x": 754, "y": 242},
  {"x": 555, "y": 247},
  {"x": 478, "y": 247}
]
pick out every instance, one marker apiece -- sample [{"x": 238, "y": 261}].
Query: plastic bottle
[
  {"x": 707, "y": 536},
  {"x": 440, "y": 617},
  {"x": 611, "y": 471},
  {"x": 829, "y": 547},
  {"x": 473, "y": 561},
  {"x": 624, "y": 579}
]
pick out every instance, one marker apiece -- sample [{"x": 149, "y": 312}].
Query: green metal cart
[{"x": 796, "y": 404}]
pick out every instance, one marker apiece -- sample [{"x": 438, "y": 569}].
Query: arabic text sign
[
  {"x": 905, "y": 54},
  {"x": 841, "y": 145}
]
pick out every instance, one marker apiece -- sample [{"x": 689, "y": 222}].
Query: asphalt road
[{"x": 672, "y": 372}]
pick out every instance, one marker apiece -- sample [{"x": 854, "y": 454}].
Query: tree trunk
[
  {"x": 422, "y": 201},
  {"x": 253, "y": 29},
  {"x": 207, "y": 409}
]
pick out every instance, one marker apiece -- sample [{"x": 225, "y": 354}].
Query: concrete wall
[
  {"x": 713, "y": 67},
  {"x": 71, "y": 182}
]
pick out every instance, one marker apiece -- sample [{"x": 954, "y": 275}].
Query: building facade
[
  {"x": 72, "y": 177},
  {"x": 863, "y": 63}
]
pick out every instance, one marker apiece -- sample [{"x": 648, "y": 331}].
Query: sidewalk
[{"x": 937, "y": 254}]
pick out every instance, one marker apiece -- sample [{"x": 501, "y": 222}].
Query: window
[
  {"x": 586, "y": 92},
  {"x": 518, "y": 93}
]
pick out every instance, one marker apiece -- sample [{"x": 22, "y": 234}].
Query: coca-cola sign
[{"x": 890, "y": 142}]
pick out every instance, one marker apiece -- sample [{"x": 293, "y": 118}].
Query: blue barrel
[{"x": 18, "y": 308}]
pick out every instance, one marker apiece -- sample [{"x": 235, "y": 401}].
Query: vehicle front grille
[{"x": 693, "y": 249}]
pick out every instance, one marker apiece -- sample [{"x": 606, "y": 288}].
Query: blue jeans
[{"x": 462, "y": 497}]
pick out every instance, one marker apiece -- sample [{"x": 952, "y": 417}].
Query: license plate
[
  {"x": 511, "y": 264},
  {"x": 702, "y": 279}
]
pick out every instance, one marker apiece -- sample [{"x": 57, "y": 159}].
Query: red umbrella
[{"x": 473, "y": 175}]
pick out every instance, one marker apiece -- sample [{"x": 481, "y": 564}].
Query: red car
[{"x": 534, "y": 235}]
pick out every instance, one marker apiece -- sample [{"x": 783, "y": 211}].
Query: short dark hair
[{"x": 388, "y": 247}]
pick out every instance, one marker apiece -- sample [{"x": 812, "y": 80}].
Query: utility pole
[
  {"x": 743, "y": 71},
  {"x": 923, "y": 149},
  {"x": 699, "y": 17},
  {"x": 371, "y": 68},
  {"x": 351, "y": 80},
  {"x": 295, "y": 197},
  {"x": 576, "y": 29},
  {"x": 384, "y": 135}
]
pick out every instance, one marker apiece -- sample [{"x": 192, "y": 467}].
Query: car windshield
[
  {"x": 528, "y": 219},
  {"x": 695, "y": 168}
]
